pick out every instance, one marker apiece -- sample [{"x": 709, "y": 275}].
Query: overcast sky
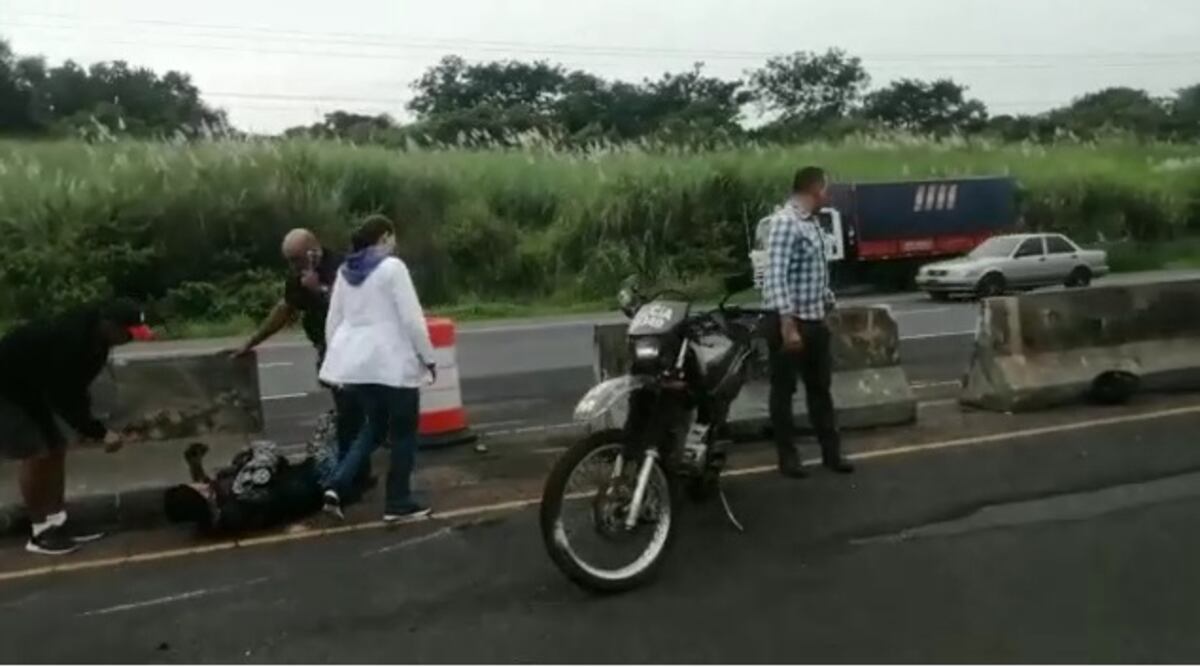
[{"x": 282, "y": 63}]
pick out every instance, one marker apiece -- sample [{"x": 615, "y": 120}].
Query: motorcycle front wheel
[{"x": 584, "y": 511}]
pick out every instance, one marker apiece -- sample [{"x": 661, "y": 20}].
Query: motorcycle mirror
[{"x": 627, "y": 300}]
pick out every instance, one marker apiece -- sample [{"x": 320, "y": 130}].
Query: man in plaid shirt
[{"x": 796, "y": 287}]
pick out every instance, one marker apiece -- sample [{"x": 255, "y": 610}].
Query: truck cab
[{"x": 831, "y": 227}]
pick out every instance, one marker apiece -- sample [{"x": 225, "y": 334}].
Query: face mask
[{"x": 388, "y": 244}]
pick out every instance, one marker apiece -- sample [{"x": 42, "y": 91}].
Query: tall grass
[{"x": 197, "y": 226}]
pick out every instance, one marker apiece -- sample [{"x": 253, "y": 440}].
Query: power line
[
  {"x": 403, "y": 42},
  {"x": 393, "y": 57}
]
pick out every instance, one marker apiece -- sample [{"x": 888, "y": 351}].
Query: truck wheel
[
  {"x": 993, "y": 284},
  {"x": 1080, "y": 277}
]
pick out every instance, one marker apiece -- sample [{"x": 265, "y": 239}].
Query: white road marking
[
  {"x": 993, "y": 438},
  {"x": 527, "y": 502},
  {"x": 931, "y": 385},
  {"x": 532, "y": 429},
  {"x": 482, "y": 426},
  {"x": 919, "y": 311},
  {"x": 937, "y": 403},
  {"x": 275, "y": 364},
  {"x": 172, "y": 598},
  {"x": 283, "y": 397},
  {"x": 940, "y": 334},
  {"x": 439, "y": 533}
]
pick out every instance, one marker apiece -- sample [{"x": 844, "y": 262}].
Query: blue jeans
[{"x": 394, "y": 408}]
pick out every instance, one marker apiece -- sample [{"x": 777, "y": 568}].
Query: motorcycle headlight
[{"x": 647, "y": 350}]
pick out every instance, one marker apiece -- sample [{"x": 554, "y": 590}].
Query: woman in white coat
[{"x": 379, "y": 350}]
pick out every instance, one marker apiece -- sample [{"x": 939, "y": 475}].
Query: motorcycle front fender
[{"x": 606, "y": 406}]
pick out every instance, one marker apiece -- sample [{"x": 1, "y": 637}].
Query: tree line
[
  {"x": 38, "y": 100},
  {"x": 795, "y": 97}
]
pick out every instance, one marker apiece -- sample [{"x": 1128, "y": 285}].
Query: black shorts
[{"x": 20, "y": 436}]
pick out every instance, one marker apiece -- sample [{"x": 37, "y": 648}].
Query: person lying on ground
[
  {"x": 48, "y": 367},
  {"x": 312, "y": 271},
  {"x": 259, "y": 489}
]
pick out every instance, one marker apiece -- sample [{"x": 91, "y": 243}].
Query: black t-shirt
[
  {"x": 314, "y": 306},
  {"x": 47, "y": 367}
]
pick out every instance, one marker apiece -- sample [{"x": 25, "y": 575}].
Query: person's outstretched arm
[{"x": 281, "y": 315}]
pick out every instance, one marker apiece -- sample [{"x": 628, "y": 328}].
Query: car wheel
[
  {"x": 1080, "y": 277},
  {"x": 993, "y": 284},
  {"x": 940, "y": 297}
]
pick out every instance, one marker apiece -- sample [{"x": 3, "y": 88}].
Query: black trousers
[{"x": 814, "y": 365}]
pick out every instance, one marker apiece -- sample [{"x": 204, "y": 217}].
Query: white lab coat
[{"x": 375, "y": 332}]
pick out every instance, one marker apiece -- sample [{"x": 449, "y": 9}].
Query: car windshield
[{"x": 995, "y": 247}]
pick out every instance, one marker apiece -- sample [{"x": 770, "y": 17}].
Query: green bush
[{"x": 196, "y": 227}]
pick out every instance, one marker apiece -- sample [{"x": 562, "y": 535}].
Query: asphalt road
[
  {"x": 525, "y": 374},
  {"x": 522, "y": 375},
  {"x": 1074, "y": 547}
]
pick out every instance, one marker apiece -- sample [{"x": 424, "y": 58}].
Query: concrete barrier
[
  {"x": 180, "y": 395},
  {"x": 870, "y": 387},
  {"x": 1040, "y": 350}
]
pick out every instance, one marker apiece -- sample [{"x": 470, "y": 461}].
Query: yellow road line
[{"x": 513, "y": 505}]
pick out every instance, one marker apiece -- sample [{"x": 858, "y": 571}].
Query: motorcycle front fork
[{"x": 639, "y": 491}]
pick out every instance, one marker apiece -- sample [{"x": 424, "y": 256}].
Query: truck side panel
[{"x": 925, "y": 218}]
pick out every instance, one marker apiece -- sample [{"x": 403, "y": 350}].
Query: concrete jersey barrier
[
  {"x": 870, "y": 387},
  {"x": 180, "y": 395},
  {"x": 1045, "y": 349}
]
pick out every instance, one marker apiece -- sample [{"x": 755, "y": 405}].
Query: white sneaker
[
  {"x": 417, "y": 513},
  {"x": 333, "y": 505}
]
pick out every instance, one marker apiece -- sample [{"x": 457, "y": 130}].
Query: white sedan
[{"x": 1014, "y": 262}]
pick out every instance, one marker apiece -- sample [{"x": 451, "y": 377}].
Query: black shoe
[
  {"x": 410, "y": 515},
  {"x": 80, "y": 534},
  {"x": 790, "y": 465},
  {"x": 840, "y": 466},
  {"x": 51, "y": 542}
]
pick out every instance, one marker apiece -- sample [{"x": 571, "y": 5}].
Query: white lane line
[
  {"x": 919, "y": 311},
  {"x": 992, "y": 438},
  {"x": 937, "y": 403},
  {"x": 531, "y": 429},
  {"x": 275, "y": 364},
  {"x": 519, "y": 328},
  {"x": 478, "y": 510},
  {"x": 437, "y": 534},
  {"x": 940, "y": 334},
  {"x": 482, "y": 426},
  {"x": 283, "y": 397},
  {"x": 172, "y": 598},
  {"x": 931, "y": 385}
]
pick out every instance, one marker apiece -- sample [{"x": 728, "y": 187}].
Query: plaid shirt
[{"x": 797, "y": 276}]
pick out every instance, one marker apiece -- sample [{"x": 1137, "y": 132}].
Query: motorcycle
[{"x": 656, "y": 432}]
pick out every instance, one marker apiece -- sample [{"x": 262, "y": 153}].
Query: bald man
[
  {"x": 312, "y": 272},
  {"x": 305, "y": 291}
]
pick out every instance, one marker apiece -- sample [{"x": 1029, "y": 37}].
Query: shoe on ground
[
  {"x": 333, "y": 504},
  {"x": 414, "y": 513},
  {"x": 790, "y": 465},
  {"x": 840, "y": 466},
  {"x": 53, "y": 541},
  {"x": 81, "y": 534}
]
